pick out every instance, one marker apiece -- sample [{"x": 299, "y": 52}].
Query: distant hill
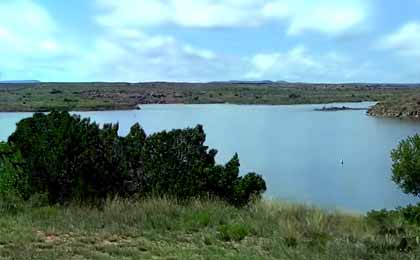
[
  {"x": 253, "y": 82},
  {"x": 19, "y": 81}
]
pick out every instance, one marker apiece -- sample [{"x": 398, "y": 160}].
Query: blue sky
[{"x": 208, "y": 40}]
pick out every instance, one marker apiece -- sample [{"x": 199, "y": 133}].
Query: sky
[{"x": 327, "y": 41}]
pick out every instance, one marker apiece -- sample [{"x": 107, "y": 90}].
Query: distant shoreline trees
[{"x": 70, "y": 158}]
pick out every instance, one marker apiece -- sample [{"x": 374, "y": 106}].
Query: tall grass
[{"x": 201, "y": 229}]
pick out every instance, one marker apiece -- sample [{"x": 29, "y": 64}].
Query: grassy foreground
[{"x": 164, "y": 229}]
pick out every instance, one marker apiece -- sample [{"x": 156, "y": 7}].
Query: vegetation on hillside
[{"x": 111, "y": 96}]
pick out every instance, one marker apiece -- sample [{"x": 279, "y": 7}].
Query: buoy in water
[{"x": 342, "y": 162}]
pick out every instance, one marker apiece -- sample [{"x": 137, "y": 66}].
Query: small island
[{"x": 342, "y": 108}]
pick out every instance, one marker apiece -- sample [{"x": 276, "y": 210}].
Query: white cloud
[
  {"x": 405, "y": 41},
  {"x": 126, "y": 52},
  {"x": 202, "y": 53},
  {"x": 188, "y": 13},
  {"x": 298, "y": 64},
  {"x": 35, "y": 48},
  {"x": 136, "y": 56},
  {"x": 328, "y": 18},
  {"x": 28, "y": 41},
  {"x": 325, "y": 16},
  {"x": 24, "y": 25}
]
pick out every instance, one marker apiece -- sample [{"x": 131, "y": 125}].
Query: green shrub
[
  {"x": 13, "y": 181},
  {"x": 70, "y": 158},
  {"x": 406, "y": 165},
  {"x": 175, "y": 162},
  {"x": 200, "y": 219},
  {"x": 179, "y": 164},
  {"x": 233, "y": 232},
  {"x": 294, "y": 96},
  {"x": 386, "y": 221},
  {"x": 10, "y": 203},
  {"x": 13, "y": 184},
  {"x": 383, "y": 217},
  {"x": 411, "y": 214},
  {"x": 406, "y": 174},
  {"x": 397, "y": 222},
  {"x": 55, "y": 91},
  {"x": 38, "y": 200},
  {"x": 249, "y": 187}
]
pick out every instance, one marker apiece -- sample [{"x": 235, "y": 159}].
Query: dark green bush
[
  {"x": 13, "y": 182},
  {"x": 388, "y": 222},
  {"x": 406, "y": 165},
  {"x": 175, "y": 162},
  {"x": 178, "y": 163},
  {"x": 406, "y": 174},
  {"x": 70, "y": 158},
  {"x": 10, "y": 203},
  {"x": 249, "y": 187},
  {"x": 411, "y": 214},
  {"x": 56, "y": 91},
  {"x": 397, "y": 221},
  {"x": 12, "y": 176},
  {"x": 294, "y": 95}
]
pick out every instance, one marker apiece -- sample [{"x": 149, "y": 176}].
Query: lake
[{"x": 297, "y": 150}]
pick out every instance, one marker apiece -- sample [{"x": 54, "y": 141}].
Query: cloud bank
[{"x": 182, "y": 40}]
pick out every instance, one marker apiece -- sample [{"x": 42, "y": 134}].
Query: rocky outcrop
[{"x": 401, "y": 109}]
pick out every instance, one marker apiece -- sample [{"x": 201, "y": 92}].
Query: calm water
[{"x": 298, "y": 150}]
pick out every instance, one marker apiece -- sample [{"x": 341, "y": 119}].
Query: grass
[{"x": 165, "y": 229}]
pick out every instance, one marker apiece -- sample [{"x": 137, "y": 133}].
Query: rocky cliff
[{"x": 409, "y": 109}]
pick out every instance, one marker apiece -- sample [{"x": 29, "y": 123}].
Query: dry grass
[{"x": 164, "y": 229}]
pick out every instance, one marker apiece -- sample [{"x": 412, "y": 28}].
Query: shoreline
[
  {"x": 85, "y": 97},
  {"x": 139, "y": 106}
]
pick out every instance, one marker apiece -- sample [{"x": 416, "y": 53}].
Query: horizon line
[{"x": 210, "y": 82}]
